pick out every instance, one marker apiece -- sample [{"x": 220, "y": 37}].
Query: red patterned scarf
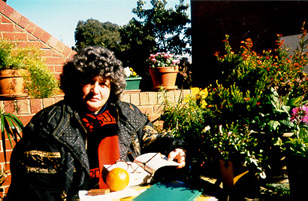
[{"x": 102, "y": 137}]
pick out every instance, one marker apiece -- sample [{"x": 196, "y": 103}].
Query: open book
[
  {"x": 142, "y": 170},
  {"x": 153, "y": 161}
]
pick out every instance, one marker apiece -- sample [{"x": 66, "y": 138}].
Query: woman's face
[{"x": 95, "y": 93}]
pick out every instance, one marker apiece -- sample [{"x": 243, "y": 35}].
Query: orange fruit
[{"x": 117, "y": 179}]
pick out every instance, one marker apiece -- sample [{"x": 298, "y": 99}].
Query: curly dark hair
[{"x": 88, "y": 63}]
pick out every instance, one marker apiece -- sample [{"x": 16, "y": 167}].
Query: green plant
[
  {"x": 11, "y": 127},
  {"x": 40, "y": 81},
  {"x": 207, "y": 134},
  {"x": 9, "y": 57},
  {"x": 247, "y": 112}
]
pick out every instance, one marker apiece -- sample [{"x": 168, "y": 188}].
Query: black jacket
[{"x": 50, "y": 161}]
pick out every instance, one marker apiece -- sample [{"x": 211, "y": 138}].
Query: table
[{"x": 133, "y": 192}]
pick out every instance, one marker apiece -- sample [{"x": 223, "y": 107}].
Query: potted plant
[
  {"x": 11, "y": 80},
  {"x": 28, "y": 69},
  {"x": 163, "y": 69},
  {"x": 132, "y": 79}
]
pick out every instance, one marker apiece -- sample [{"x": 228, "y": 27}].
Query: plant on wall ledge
[
  {"x": 39, "y": 80},
  {"x": 163, "y": 68}
]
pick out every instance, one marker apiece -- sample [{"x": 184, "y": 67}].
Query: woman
[{"x": 65, "y": 145}]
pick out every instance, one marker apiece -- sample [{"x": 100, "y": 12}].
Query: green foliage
[
  {"x": 11, "y": 127},
  {"x": 93, "y": 32},
  {"x": 10, "y": 56},
  {"x": 5, "y": 53},
  {"x": 40, "y": 81},
  {"x": 157, "y": 29},
  {"x": 165, "y": 25},
  {"x": 207, "y": 134},
  {"x": 249, "y": 109}
]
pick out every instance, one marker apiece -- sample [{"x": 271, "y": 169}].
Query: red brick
[
  {"x": 158, "y": 109},
  {"x": 16, "y": 17},
  {"x": 23, "y": 22},
  {"x": 24, "y": 106},
  {"x": 36, "y": 105},
  {"x": 2, "y": 5},
  {"x": 59, "y": 98},
  {"x": 8, "y": 147},
  {"x": 55, "y": 60},
  {"x": 53, "y": 41},
  {"x": 60, "y": 46},
  {"x": 152, "y": 98},
  {"x": 8, "y": 154},
  {"x": 125, "y": 97},
  {"x": 38, "y": 32},
  {"x": 30, "y": 27},
  {"x": 72, "y": 54},
  {"x": 153, "y": 117},
  {"x": 66, "y": 52},
  {"x": 44, "y": 46},
  {"x": 58, "y": 68},
  {"x": 56, "y": 54},
  {"x": 9, "y": 106},
  {"x": 47, "y": 53},
  {"x": 144, "y": 98},
  {"x": 25, "y": 119},
  {"x": 18, "y": 29},
  {"x": 57, "y": 76},
  {"x": 45, "y": 37},
  {"x": 24, "y": 44},
  {"x": 47, "y": 102},
  {"x": 7, "y": 27},
  {"x": 7, "y": 181},
  {"x": 148, "y": 110},
  {"x": 135, "y": 99},
  {"x": 15, "y": 36},
  {"x": 32, "y": 38},
  {"x": 5, "y": 19},
  {"x": 8, "y": 10}
]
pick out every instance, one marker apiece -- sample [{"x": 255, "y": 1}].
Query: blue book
[{"x": 168, "y": 191}]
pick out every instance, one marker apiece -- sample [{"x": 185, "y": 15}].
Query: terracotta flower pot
[
  {"x": 12, "y": 84},
  {"x": 164, "y": 77}
]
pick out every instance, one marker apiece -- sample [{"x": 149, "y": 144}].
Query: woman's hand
[{"x": 179, "y": 156}]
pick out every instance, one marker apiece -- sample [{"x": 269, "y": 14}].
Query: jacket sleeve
[{"x": 36, "y": 166}]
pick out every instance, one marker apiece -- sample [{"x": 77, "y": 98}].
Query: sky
[{"x": 60, "y": 17}]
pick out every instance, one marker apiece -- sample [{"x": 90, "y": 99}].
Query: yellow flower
[
  {"x": 204, "y": 93},
  {"x": 203, "y": 104},
  {"x": 195, "y": 91}
]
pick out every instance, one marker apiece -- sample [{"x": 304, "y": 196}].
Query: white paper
[{"x": 128, "y": 192}]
